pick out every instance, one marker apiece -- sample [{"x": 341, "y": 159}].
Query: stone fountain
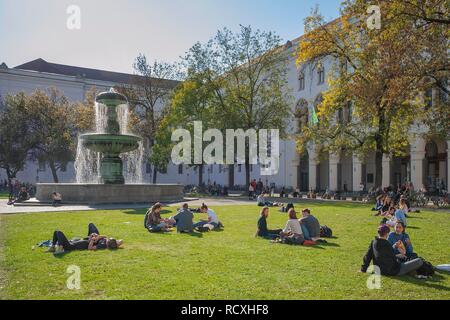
[{"x": 110, "y": 184}]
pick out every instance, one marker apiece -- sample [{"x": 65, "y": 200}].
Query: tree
[
  {"x": 428, "y": 12},
  {"x": 246, "y": 75},
  {"x": 190, "y": 102},
  {"x": 15, "y": 138},
  {"x": 377, "y": 75},
  {"x": 52, "y": 131},
  {"x": 148, "y": 94}
]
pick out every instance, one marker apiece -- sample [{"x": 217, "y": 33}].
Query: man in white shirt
[{"x": 212, "y": 218}]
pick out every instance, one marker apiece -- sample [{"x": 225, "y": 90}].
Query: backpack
[
  {"x": 427, "y": 269},
  {"x": 326, "y": 232}
]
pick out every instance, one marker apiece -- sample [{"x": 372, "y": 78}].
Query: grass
[
  {"x": 219, "y": 265},
  {"x": 4, "y": 195}
]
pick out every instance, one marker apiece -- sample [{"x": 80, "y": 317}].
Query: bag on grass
[
  {"x": 427, "y": 269},
  {"x": 326, "y": 232}
]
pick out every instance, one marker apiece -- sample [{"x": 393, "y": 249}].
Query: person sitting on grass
[
  {"x": 213, "y": 220},
  {"x": 401, "y": 242},
  {"x": 23, "y": 195},
  {"x": 382, "y": 254},
  {"x": 153, "y": 221},
  {"x": 262, "y": 230},
  {"x": 292, "y": 233},
  {"x": 391, "y": 220},
  {"x": 94, "y": 241},
  {"x": 379, "y": 204},
  {"x": 262, "y": 202},
  {"x": 184, "y": 220},
  {"x": 310, "y": 226},
  {"x": 57, "y": 199}
]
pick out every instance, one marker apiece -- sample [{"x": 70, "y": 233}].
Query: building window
[
  {"x": 148, "y": 168},
  {"x": 301, "y": 81},
  {"x": 350, "y": 112},
  {"x": 42, "y": 166},
  {"x": 321, "y": 75},
  {"x": 341, "y": 116},
  {"x": 180, "y": 169},
  {"x": 429, "y": 98}
]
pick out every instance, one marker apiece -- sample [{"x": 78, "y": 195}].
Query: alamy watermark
[
  {"x": 374, "y": 281},
  {"x": 74, "y": 19},
  {"x": 74, "y": 280},
  {"x": 262, "y": 149},
  {"x": 374, "y": 19}
]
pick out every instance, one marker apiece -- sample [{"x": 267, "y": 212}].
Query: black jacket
[{"x": 382, "y": 254}]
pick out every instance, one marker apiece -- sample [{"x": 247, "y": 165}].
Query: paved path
[{"x": 5, "y": 209}]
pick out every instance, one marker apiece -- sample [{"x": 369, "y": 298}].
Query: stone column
[
  {"x": 417, "y": 160},
  {"x": 312, "y": 175},
  {"x": 357, "y": 173},
  {"x": 448, "y": 166},
  {"x": 334, "y": 161},
  {"x": 386, "y": 171}
]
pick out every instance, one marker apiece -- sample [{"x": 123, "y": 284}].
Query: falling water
[
  {"x": 87, "y": 163},
  {"x": 122, "y": 118},
  {"x": 101, "y": 118}
]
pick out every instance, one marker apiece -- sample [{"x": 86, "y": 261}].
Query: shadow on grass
[
  {"x": 144, "y": 211},
  {"x": 430, "y": 283}
]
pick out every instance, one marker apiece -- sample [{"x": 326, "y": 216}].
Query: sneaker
[{"x": 59, "y": 250}]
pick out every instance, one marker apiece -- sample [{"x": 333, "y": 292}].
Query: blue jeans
[
  {"x": 305, "y": 232},
  {"x": 202, "y": 223}
]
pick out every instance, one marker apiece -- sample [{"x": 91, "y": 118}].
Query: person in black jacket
[
  {"x": 382, "y": 254},
  {"x": 262, "y": 226}
]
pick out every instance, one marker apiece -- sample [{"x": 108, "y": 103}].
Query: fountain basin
[
  {"x": 110, "y": 144},
  {"x": 74, "y": 193}
]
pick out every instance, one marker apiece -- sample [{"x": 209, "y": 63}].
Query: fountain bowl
[{"x": 110, "y": 143}]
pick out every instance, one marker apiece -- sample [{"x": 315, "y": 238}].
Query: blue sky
[{"x": 114, "y": 32}]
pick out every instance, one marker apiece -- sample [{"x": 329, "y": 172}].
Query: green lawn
[
  {"x": 219, "y": 265},
  {"x": 4, "y": 194}
]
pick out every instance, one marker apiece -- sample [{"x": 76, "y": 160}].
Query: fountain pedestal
[{"x": 74, "y": 193}]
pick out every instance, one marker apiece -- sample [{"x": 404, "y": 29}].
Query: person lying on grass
[
  {"x": 94, "y": 241},
  {"x": 401, "y": 243},
  {"x": 262, "y": 230},
  {"x": 213, "y": 220},
  {"x": 382, "y": 254},
  {"x": 262, "y": 202},
  {"x": 153, "y": 221}
]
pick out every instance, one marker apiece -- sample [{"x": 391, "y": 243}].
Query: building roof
[{"x": 40, "y": 65}]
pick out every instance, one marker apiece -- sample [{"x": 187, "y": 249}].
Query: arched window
[
  {"x": 301, "y": 81},
  {"x": 321, "y": 74},
  {"x": 302, "y": 114}
]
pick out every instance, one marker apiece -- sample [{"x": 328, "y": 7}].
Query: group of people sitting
[
  {"x": 304, "y": 231},
  {"x": 183, "y": 220},
  {"x": 392, "y": 212},
  {"x": 392, "y": 251}
]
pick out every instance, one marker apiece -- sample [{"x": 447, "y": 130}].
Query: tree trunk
[
  {"x": 247, "y": 167},
  {"x": 54, "y": 171},
  {"x": 231, "y": 176},
  {"x": 155, "y": 174},
  {"x": 379, "y": 168},
  {"x": 200, "y": 175}
]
